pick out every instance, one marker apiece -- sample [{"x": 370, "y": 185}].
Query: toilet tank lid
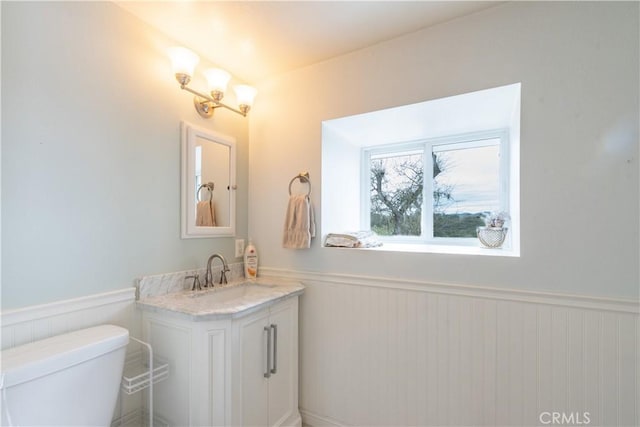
[{"x": 39, "y": 358}]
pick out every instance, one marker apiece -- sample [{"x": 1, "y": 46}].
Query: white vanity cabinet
[
  {"x": 265, "y": 367},
  {"x": 218, "y": 367}
]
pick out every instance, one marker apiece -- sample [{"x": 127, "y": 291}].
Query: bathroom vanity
[{"x": 232, "y": 352}]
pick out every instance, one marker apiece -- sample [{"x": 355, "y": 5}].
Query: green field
[
  {"x": 444, "y": 225},
  {"x": 456, "y": 225}
]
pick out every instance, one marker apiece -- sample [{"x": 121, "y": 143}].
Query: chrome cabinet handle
[
  {"x": 267, "y": 373},
  {"x": 275, "y": 349}
]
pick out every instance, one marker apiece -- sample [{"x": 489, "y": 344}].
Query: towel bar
[
  {"x": 303, "y": 177},
  {"x": 209, "y": 186}
]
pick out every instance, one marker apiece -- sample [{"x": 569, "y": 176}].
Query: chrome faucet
[{"x": 208, "y": 282}]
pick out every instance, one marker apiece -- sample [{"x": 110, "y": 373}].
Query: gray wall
[
  {"x": 91, "y": 153},
  {"x": 90, "y": 147},
  {"x": 578, "y": 64}
]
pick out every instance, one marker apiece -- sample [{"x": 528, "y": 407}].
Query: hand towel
[
  {"x": 299, "y": 223},
  {"x": 354, "y": 239},
  {"x": 205, "y": 216}
]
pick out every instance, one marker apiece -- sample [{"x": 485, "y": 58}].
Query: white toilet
[{"x": 66, "y": 380}]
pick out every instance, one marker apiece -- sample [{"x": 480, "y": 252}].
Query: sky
[{"x": 473, "y": 175}]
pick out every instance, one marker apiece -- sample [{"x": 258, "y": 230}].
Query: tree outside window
[{"x": 465, "y": 185}]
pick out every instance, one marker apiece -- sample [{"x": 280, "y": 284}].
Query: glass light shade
[
  {"x": 217, "y": 79},
  {"x": 183, "y": 60},
  {"x": 245, "y": 94}
]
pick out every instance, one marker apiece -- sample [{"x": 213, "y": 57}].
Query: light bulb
[
  {"x": 183, "y": 61},
  {"x": 217, "y": 80},
  {"x": 245, "y": 95}
]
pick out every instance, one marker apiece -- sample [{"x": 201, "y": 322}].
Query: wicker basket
[{"x": 492, "y": 237}]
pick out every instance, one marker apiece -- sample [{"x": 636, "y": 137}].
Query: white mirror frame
[{"x": 189, "y": 134}]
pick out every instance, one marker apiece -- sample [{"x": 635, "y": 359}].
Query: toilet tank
[{"x": 67, "y": 380}]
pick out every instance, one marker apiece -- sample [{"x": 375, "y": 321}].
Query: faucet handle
[
  {"x": 223, "y": 275},
  {"x": 196, "y": 282}
]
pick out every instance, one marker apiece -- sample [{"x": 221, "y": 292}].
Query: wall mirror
[{"x": 208, "y": 183}]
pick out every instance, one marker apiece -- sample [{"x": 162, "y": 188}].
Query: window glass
[
  {"x": 466, "y": 186},
  {"x": 396, "y": 188}
]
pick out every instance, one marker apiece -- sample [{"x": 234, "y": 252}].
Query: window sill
[{"x": 440, "y": 249}]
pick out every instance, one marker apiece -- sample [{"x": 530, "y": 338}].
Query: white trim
[
  {"x": 470, "y": 247},
  {"x": 315, "y": 420},
  {"x": 41, "y": 311},
  {"x": 505, "y": 294}
]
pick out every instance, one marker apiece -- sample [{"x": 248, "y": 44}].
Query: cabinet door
[
  {"x": 172, "y": 343},
  {"x": 253, "y": 332},
  {"x": 283, "y": 384}
]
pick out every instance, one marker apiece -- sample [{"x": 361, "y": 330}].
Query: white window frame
[{"x": 467, "y": 140}]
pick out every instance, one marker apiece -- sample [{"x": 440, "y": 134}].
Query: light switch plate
[{"x": 239, "y": 248}]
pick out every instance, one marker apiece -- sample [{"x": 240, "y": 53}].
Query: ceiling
[{"x": 256, "y": 40}]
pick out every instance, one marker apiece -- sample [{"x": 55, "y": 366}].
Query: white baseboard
[{"x": 315, "y": 420}]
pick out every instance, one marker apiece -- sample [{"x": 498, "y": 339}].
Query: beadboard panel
[
  {"x": 375, "y": 353},
  {"x": 34, "y": 323}
]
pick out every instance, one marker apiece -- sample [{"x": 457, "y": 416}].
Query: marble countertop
[{"x": 237, "y": 299}]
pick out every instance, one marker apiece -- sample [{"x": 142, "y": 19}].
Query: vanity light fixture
[{"x": 184, "y": 62}]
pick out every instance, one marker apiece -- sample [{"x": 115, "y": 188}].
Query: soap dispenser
[{"x": 250, "y": 261}]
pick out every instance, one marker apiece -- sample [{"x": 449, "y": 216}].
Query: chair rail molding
[
  {"x": 507, "y": 294},
  {"x": 27, "y": 324}
]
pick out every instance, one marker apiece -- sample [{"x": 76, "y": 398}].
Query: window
[
  {"x": 424, "y": 175},
  {"x": 466, "y": 178}
]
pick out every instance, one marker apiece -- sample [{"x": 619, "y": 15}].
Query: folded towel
[
  {"x": 205, "y": 215},
  {"x": 299, "y": 223},
  {"x": 353, "y": 239}
]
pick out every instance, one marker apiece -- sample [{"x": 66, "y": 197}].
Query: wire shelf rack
[
  {"x": 138, "y": 375},
  {"x": 141, "y": 372}
]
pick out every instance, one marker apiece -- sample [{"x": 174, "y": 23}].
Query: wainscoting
[
  {"x": 37, "y": 322},
  {"x": 375, "y": 353}
]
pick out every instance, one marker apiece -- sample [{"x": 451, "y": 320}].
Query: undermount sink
[{"x": 223, "y": 301}]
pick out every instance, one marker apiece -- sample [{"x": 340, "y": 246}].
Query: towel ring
[
  {"x": 209, "y": 186},
  {"x": 303, "y": 177}
]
